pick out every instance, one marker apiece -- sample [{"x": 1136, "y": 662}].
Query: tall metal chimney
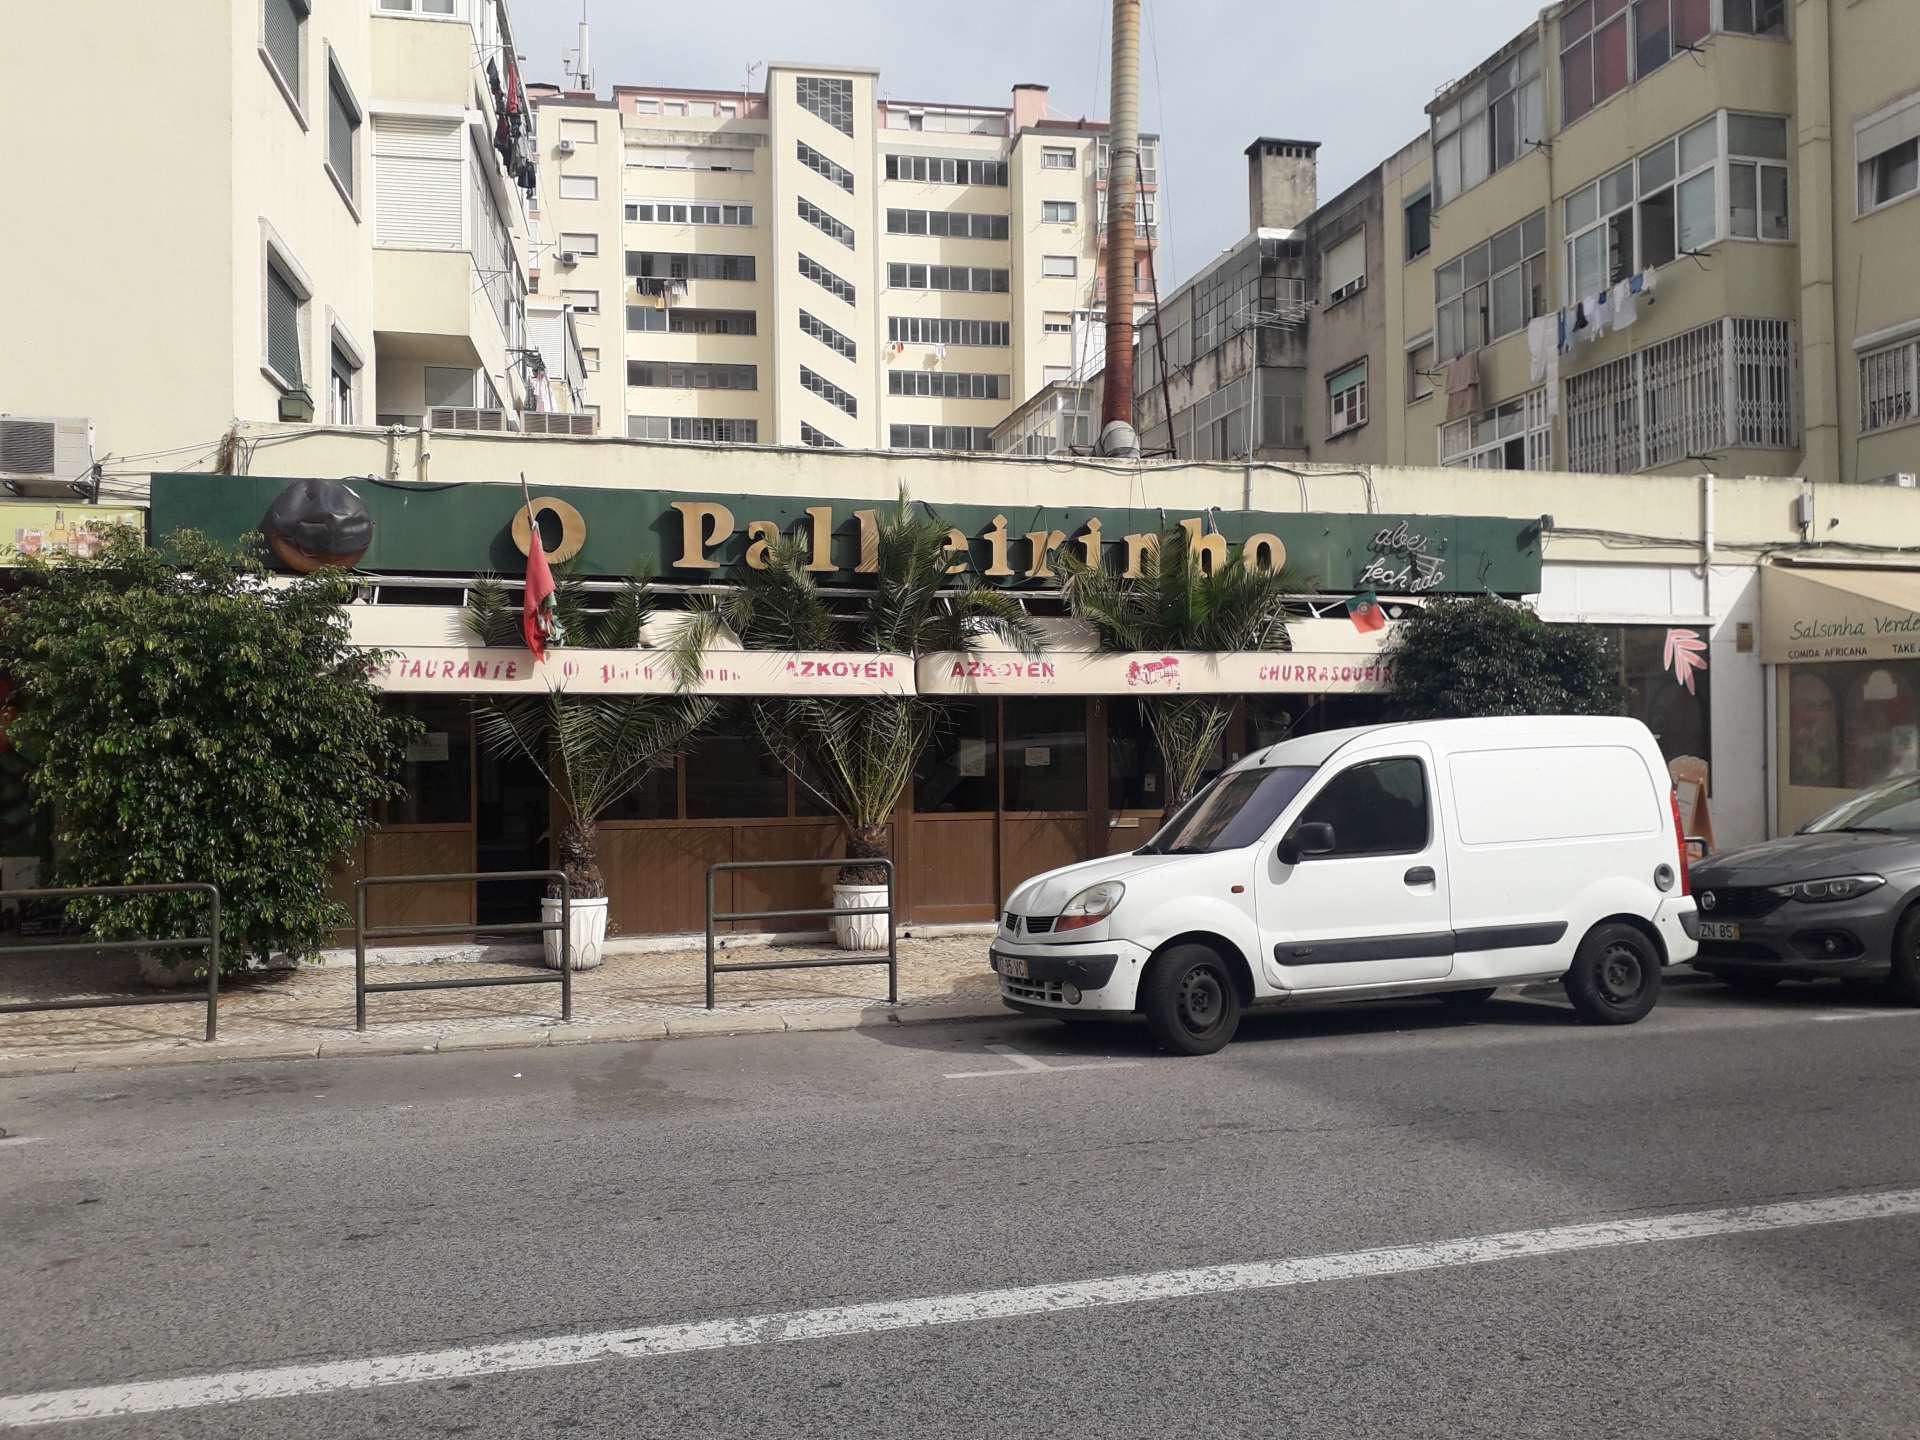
[{"x": 1123, "y": 184}]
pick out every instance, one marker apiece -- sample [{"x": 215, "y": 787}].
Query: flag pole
[{"x": 526, "y": 495}]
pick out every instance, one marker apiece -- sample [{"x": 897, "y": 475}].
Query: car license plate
[
  {"x": 1719, "y": 930},
  {"x": 1014, "y": 968}
]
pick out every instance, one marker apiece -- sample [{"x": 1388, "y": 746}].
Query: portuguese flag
[
  {"x": 538, "y": 623},
  {"x": 1365, "y": 612}
]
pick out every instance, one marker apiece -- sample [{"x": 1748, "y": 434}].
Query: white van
[{"x": 1439, "y": 857}]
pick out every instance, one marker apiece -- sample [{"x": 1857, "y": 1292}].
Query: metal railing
[
  {"x": 361, "y": 934},
  {"x": 210, "y": 942},
  {"x": 892, "y": 962}
]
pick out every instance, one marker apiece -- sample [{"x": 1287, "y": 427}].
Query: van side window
[{"x": 1379, "y": 808}]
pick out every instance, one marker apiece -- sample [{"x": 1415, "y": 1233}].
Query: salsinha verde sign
[{"x": 468, "y": 529}]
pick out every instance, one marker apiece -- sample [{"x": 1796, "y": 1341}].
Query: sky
[{"x": 1355, "y": 75}]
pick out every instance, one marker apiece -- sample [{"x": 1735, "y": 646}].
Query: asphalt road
[{"x": 175, "y": 1222}]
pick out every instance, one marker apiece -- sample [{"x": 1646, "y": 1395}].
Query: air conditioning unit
[
  {"x": 49, "y": 456},
  {"x": 569, "y": 257},
  {"x": 565, "y": 147}
]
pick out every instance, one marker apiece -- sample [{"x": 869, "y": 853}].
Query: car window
[
  {"x": 1234, "y": 811},
  {"x": 1891, "y": 805},
  {"x": 1377, "y": 808}
]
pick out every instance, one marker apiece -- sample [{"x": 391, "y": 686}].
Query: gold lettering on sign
[
  {"x": 573, "y": 528},
  {"x": 1264, "y": 551},
  {"x": 996, "y": 539},
  {"x": 1090, "y": 543},
  {"x": 869, "y": 542},
  {"x": 702, "y": 526},
  {"x": 957, "y": 543},
  {"x": 1136, "y": 550},
  {"x": 822, "y": 529},
  {"x": 1210, "y": 549},
  {"x": 1039, "y": 542},
  {"x": 761, "y": 533}
]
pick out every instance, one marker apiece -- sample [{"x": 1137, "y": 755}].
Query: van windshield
[{"x": 1232, "y": 812}]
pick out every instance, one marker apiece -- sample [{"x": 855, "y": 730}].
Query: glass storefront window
[
  {"x": 656, "y": 797},
  {"x": 1046, "y": 742},
  {"x": 438, "y": 770},
  {"x": 1853, "y": 725},
  {"x": 732, "y": 776},
  {"x": 1882, "y": 739},
  {"x": 1655, "y": 663},
  {"x": 1813, "y": 732},
  {"x": 955, "y": 772},
  {"x": 1136, "y": 775}
]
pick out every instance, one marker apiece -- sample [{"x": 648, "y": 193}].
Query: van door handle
[{"x": 1420, "y": 875}]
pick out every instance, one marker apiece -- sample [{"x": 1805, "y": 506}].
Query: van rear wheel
[
  {"x": 1615, "y": 976},
  {"x": 1190, "y": 1001}
]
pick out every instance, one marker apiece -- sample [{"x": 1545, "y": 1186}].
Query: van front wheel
[
  {"x": 1615, "y": 976},
  {"x": 1191, "y": 1005}
]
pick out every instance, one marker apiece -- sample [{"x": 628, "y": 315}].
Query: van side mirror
[{"x": 1308, "y": 838}]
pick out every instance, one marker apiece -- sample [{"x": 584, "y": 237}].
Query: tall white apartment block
[{"x": 821, "y": 264}]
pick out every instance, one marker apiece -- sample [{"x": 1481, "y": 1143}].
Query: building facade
[
  {"x": 817, "y": 263},
  {"x": 330, "y": 225}
]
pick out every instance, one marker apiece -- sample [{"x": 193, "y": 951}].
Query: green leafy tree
[
  {"x": 592, "y": 749},
  {"x": 856, "y": 752},
  {"x": 186, "y": 720},
  {"x": 1173, "y": 604},
  {"x": 1478, "y": 655}
]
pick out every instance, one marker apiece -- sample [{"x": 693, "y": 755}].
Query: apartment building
[
  {"x": 294, "y": 210},
  {"x": 818, "y": 263},
  {"x": 1657, "y": 236}
]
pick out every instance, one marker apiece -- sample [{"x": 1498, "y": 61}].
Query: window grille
[
  {"x": 1887, "y": 391},
  {"x": 831, "y": 100},
  {"x": 828, "y": 391}
]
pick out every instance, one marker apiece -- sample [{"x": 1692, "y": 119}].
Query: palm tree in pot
[
  {"x": 592, "y": 749},
  {"x": 856, "y": 752},
  {"x": 1177, "y": 604}
]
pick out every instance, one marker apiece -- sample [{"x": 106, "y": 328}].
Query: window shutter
[
  {"x": 1347, "y": 263},
  {"x": 281, "y": 24},
  {"x": 283, "y": 326},
  {"x": 417, "y": 177},
  {"x": 1896, "y": 125}
]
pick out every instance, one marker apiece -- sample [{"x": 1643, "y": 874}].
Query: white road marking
[
  {"x": 1868, "y": 1015},
  {"x": 1028, "y": 1065},
  {"x": 285, "y": 1382}
]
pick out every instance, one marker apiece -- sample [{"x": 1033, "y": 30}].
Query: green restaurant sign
[{"x": 469, "y": 528}]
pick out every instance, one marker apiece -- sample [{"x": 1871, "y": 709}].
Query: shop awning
[{"x": 1811, "y": 614}]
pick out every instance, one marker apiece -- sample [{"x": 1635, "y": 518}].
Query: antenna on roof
[{"x": 579, "y": 63}]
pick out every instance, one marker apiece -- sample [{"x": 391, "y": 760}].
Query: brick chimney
[
  {"x": 1283, "y": 184},
  {"x": 1029, "y": 106}
]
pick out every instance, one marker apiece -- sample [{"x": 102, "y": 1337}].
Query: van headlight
[
  {"x": 1090, "y": 906},
  {"x": 1840, "y": 887}
]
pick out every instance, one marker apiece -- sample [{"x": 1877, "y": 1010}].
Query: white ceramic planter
[
  {"x": 588, "y": 924},
  {"x": 860, "y": 932}
]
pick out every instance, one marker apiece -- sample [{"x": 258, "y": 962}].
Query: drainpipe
[
  {"x": 1706, "y": 548},
  {"x": 1246, "y": 493}
]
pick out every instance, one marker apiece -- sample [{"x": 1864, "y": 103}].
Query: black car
[{"x": 1836, "y": 899}]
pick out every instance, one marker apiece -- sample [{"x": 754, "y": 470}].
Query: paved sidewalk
[{"x": 633, "y": 996}]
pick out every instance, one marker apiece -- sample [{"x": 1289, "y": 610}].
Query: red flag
[{"x": 536, "y": 611}]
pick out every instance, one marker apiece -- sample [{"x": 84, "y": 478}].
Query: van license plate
[
  {"x": 1719, "y": 930},
  {"x": 1014, "y": 968}
]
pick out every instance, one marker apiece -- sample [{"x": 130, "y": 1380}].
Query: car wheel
[
  {"x": 1615, "y": 976},
  {"x": 1904, "y": 978},
  {"x": 1190, "y": 1001},
  {"x": 1467, "y": 999},
  {"x": 1749, "y": 984}
]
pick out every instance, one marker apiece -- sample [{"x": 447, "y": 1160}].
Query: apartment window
[
  {"x": 579, "y": 187},
  {"x": 714, "y": 430},
  {"x": 1145, "y": 212},
  {"x": 826, "y": 279},
  {"x": 1754, "y": 17},
  {"x": 680, "y": 212},
  {"x": 1149, "y": 159},
  {"x": 1493, "y": 290},
  {"x": 1886, "y": 149},
  {"x": 830, "y": 100},
  {"x": 918, "y": 330},
  {"x": 1345, "y": 266},
  {"x": 948, "y": 277},
  {"x": 1421, "y": 365},
  {"x": 1056, "y": 322},
  {"x": 825, "y": 168},
  {"x": 1347, "y": 399},
  {"x": 420, "y": 7},
  {"x": 943, "y": 170},
  {"x": 445, "y": 385},
  {"x": 1645, "y": 213},
  {"x": 341, "y": 371},
  {"x": 1488, "y": 127},
  {"x": 580, "y": 132},
  {"x": 1515, "y": 435},
  {"x": 1418, "y": 213},
  {"x": 1756, "y": 190},
  {"x": 579, "y": 242},
  {"x": 653, "y": 375},
  {"x": 825, "y": 223},
  {"x": 283, "y": 34},
  {"x": 944, "y": 386},
  {"x": 1060, "y": 267},
  {"x": 828, "y": 391},
  {"x": 582, "y": 302},
  {"x": 827, "y": 336},
  {"x": 343, "y": 130},
  {"x": 590, "y": 358},
  {"x": 285, "y": 299},
  {"x": 1726, "y": 385},
  {"x": 957, "y": 223},
  {"x": 703, "y": 158},
  {"x": 1888, "y": 395},
  {"x": 676, "y": 320},
  {"x": 818, "y": 439},
  {"x": 1059, "y": 212},
  {"x": 939, "y": 437},
  {"x": 1058, "y": 159},
  {"x": 1605, "y": 45},
  {"x": 679, "y": 265}
]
